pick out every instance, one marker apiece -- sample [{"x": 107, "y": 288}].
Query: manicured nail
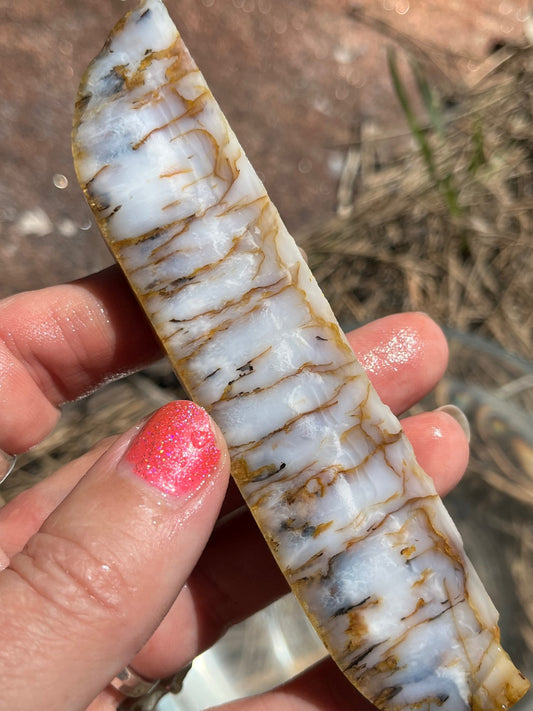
[
  {"x": 176, "y": 450},
  {"x": 459, "y": 416}
]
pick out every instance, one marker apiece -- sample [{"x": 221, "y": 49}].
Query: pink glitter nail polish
[{"x": 176, "y": 450}]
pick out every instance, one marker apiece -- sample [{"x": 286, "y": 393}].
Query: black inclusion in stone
[
  {"x": 347, "y": 608},
  {"x": 112, "y": 83},
  {"x": 83, "y": 101},
  {"x": 245, "y": 369},
  {"x": 144, "y": 14}
]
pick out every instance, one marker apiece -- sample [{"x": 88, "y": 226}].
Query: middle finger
[{"x": 391, "y": 349}]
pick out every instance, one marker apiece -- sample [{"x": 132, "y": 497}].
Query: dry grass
[{"x": 447, "y": 231}]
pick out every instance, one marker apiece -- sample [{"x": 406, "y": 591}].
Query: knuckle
[{"x": 71, "y": 578}]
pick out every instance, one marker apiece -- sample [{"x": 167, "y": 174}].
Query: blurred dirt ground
[{"x": 426, "y": 205}]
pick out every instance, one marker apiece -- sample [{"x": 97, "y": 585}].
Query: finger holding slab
[{"x": 353, "y": 521}]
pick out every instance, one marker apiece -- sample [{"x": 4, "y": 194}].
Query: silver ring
[
  {"x": 7, "y": 464},
  {"x": 133, "y": 685}
]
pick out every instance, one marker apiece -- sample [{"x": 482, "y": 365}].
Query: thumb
[{"x": 91, "y": 586}]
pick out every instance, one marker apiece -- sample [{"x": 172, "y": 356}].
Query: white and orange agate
[{"x": 355, "y": 525}]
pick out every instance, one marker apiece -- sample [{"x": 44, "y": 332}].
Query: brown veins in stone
[
  {"x": 303, "y": 492},
  {"x": 250, "y": 446},
  {"x": 343, "y": 610},
  {"x": 169, "y": 205},
  {"x": 185, "y": 225},
  {"x": 323, "y": 369},
  {"x": 205, "y": 338},
  {"x": 360, "y": 657},
  {"x": 89, "y": 183},
  {"x": 174, "y": 120},
  {"x": 177, "y": 70},
  {"x": 303, "y": 581},
  {"x": 420, "y": 603},
  {"x": 399, "y": 640},
  {"x": 386, "y": 695},
  {"x": 151, "y": 234},
  {"x": 221, "y": 162},
  {"x": 260, "y": 494},
  {"x": 244, "y": 204},
  {"x": 177, "y": 171},
  {"x": 264, "y": 291}
]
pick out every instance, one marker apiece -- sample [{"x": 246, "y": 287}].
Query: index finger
[{"x": 62, "y": 342}]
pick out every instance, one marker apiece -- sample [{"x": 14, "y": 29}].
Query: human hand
[{"x": 99, "y": 564}]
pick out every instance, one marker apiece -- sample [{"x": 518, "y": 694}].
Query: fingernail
[
  {"x": 459, "y": 416},
  {"x": 176, "y": 450}
]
